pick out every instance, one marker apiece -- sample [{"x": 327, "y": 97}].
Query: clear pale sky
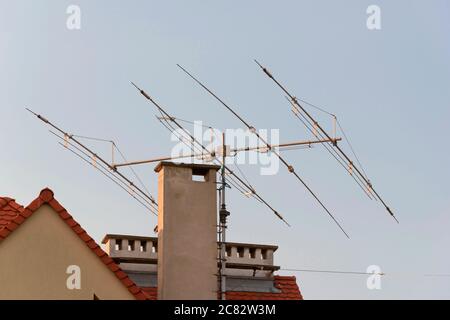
[{"x": 389, "y": 88}]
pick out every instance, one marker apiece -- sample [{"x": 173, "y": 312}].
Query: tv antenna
[
  {"x": 71, "y": 142},
  {"x": 305, "y": 117},
  {"x": 228, "y": 176},
  {"x": 219, "y": 156}
]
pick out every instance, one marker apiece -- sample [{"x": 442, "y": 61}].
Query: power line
[
  {"x": 391, "y": 274},
  {"x": 334, "y": 271}
]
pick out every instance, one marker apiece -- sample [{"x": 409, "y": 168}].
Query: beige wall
[
  {"x": 35, "y": 257},
  {"x": 187, "y": 239}
]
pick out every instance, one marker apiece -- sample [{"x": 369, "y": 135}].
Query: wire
[
  {"x": 351, "y": 147},
  {"x": 131, "y": 168},
  {"x": 193, "y": 123},
  {"x": 334, "y": 272},
  {"x": 316, "y": 107},
  {"x": 242, "y": 173},
  {"x": 92, "y": 138}
]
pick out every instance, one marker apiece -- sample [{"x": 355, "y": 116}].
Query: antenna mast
[{"x": 223, "y": 214}]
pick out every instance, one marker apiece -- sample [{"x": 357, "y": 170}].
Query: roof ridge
[
  {"x": 46, "y": 196},
  {"x": 7, "y": 201}
]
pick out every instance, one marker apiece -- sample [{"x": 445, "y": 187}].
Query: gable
[{"x": 38, "y": 247}]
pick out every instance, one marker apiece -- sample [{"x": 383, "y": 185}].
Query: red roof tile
[
  {"x": 13, "y": 215},
  {"x": 9, "y": 210},
  {"x": 151, "y": 292},
  {"x": 287, "y": 285}
]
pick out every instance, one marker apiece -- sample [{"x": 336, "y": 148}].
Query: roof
[
  {"x": 9, "y": 210},
  {"x": 13, "y": 215},
  {"x": 286, "y": 284}
]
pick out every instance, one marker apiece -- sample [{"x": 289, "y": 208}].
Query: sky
[{"x": 388, "y": 87}]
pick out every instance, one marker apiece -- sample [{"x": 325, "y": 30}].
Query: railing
[
  {"x": 144, "y": 250},
  {"x": 250, "y": 254},
  {"x": 131, "y": 247}
]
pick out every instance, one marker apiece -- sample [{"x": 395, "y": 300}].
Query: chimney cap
[{"x": 162, "y": 164}]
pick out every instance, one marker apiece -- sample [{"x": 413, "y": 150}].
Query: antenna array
[{"x": 228, "y": 177}]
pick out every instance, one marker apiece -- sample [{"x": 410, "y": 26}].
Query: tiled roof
[
  {"x": 287, "y": 285},
  {"x": 152, "y": 292},
  {"x": 9, "y": 209},
  {"x": 17, "y": 215}
]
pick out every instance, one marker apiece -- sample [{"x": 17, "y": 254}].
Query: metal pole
[
  {"x": 223, "y": 214},
  {"x": 196, "y": 155}
]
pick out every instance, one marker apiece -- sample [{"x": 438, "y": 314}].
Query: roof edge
[{"x": 46, "y": 196}]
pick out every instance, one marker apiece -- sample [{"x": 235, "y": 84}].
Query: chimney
[{"x": 187, "y": 231}]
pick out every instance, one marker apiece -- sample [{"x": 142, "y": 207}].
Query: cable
[
  {"x": 334, "y": 272},
  {"x": 351, "y": 147},
  {"x": 92, "y": 138},
  {"x": 131, "y": 168}
]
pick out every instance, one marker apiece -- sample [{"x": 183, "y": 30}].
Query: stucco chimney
[{"x": 187, "y": 232}]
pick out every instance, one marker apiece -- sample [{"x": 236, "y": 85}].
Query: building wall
[{"x": 35, "y": 257}]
